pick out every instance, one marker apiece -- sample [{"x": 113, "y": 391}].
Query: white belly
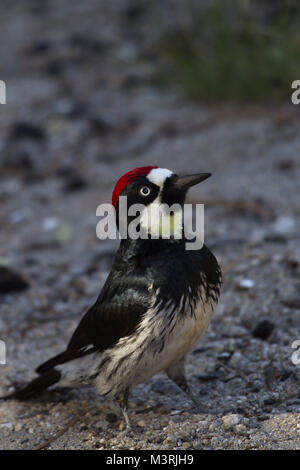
[{"x": 139, "y": 357}]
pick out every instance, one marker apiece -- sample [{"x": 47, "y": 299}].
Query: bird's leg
[
  {"x": 177, "y": 373},
  {"x": 122, "y": 400}
]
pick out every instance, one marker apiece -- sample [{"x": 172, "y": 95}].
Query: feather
[{"x": 35, "y": 387}]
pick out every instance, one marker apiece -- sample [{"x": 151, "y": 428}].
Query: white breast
[{"x": 186, "y": 334}]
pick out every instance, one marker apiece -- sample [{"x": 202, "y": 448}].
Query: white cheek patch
[
  {"x": 159, "y": 175},
  {"x": 155, "y": 219},
  {"x": 159, "y": 220}
]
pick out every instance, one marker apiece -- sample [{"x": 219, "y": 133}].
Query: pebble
[
  {"x": 6, "y": 425},
  {"x": 245, "y": 284},
  {"x": 111, "y": 418},
  {"x": 240, "y": 428},
  {"x": 229, "y": 421},
  {"x": 26, "y": 130},
  {"x": 202, "y": 425},
  {"x": 141, "y": 424},
  {"x": 284, "y": 225},
  {"x": 122, "y": 426},
  {"x": 50, "y": 223},
  {"x": 11, "y": 281},
  {"x": 263, "y": 329},
  {"x": 186, "y": 445}
]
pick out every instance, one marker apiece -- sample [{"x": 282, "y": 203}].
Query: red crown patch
[{"x": 128, "y": 178}]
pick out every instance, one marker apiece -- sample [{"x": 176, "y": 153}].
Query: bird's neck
[{"x": 130, "y": 248}]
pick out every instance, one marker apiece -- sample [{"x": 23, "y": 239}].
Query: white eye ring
[{"x": 145, "y": 191}]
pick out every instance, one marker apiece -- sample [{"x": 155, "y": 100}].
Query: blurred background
[{"x": 99, "y": 87}]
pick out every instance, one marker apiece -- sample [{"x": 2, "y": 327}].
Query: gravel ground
[{"x": 82, "y": 108}]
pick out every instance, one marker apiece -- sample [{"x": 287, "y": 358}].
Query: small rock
[
  {"x": 156, "y": 439},
  {"x": 74, "y": 182},
  {"x": 236, "y": 359},
  {"x": 122, "y": 426},
  {"x": 202, "y": 425},
  {"x": 198, "y": 444},
  {"x": 141, "y": 424},
  {"x": 263, "y": 329},
  {"x": 240, "y": 428},
  {"x": 111, "y": 418},
  {"x": 56, "y": 67},
  {"x": 170, "y": 440},
  {"x": 22, "y": 130},
  {"x": 50, "y": 223},
  {"x": 99, "y": 125},
  {"x": 176, "y": 412},
  {"x": 161, "y": 410},
  {"x": 238, "y": 331},
  {"x": 186, "y": 445},
  {"x": 19, "y": 215},
  {"x": 225, "y": 356},
  {"x": 134, "y": 11},
  {"x": 40, "y": 47},
  {"x": 284, "y": 225},
  {"x": 229, "y": 421},
  {"x": 18, "y": 427},
  {"x": 245, "y": 284},
  {"x": 6, "y": 425},
  {"x": 292, "y": 302},
  {"x": 11, "y": 281},
  {"x": 286, "y": 164}
]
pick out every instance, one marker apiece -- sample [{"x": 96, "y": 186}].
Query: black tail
[
  {"x": 36, "y": 386},
  {"x": 66, "y": 356},
  {"x": 48, "y": 365}
]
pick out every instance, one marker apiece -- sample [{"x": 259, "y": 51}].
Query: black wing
[{"x": 116, "y": 313}]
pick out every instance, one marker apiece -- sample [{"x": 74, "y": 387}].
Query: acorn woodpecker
[{"x": 154, "y": 307}]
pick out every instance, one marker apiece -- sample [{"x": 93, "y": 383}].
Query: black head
[{"x": 152, "y": 189}]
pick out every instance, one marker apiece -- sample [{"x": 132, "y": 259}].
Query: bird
[{"x": 155, "y": 305}]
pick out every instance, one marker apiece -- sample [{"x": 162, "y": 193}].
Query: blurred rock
[
  {"x": 134, "y": 10},
  {"x": 56, "y": 67},
  {"x": 263, "y": 329},
  {"x": 111, "y": 418},
  {"x": 284, "y": 225},
  {"x": 229, "y": 421},
  {"x": 99, "y": 125},
  {"x": 286, "y": 164},
  {"x": 50, "y": 223},
  {"x": 291, "y": 302},
  {"x": 70, "y": 108},
  {"x": 26, "y": 130},
  {"x": 86, "y": 43},
  {"x": 40, "y": 47},
  {"x": 245, "y": 284},
  {"x": 11, "y": 281},
  {"x": 74, "y": 182}
]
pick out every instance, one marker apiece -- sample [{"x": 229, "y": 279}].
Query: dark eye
[{"x": 145, "y": 191}]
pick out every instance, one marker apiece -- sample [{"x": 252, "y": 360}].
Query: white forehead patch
[{"x": 159, "y": 175}]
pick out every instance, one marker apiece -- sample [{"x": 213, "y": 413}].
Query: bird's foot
[{"x": 130, "y": 429}]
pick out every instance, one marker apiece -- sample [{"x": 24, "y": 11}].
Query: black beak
[{"x": 183, "y": 183}]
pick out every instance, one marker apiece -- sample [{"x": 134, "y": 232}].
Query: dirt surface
[{"x": 83, "y": 108}]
